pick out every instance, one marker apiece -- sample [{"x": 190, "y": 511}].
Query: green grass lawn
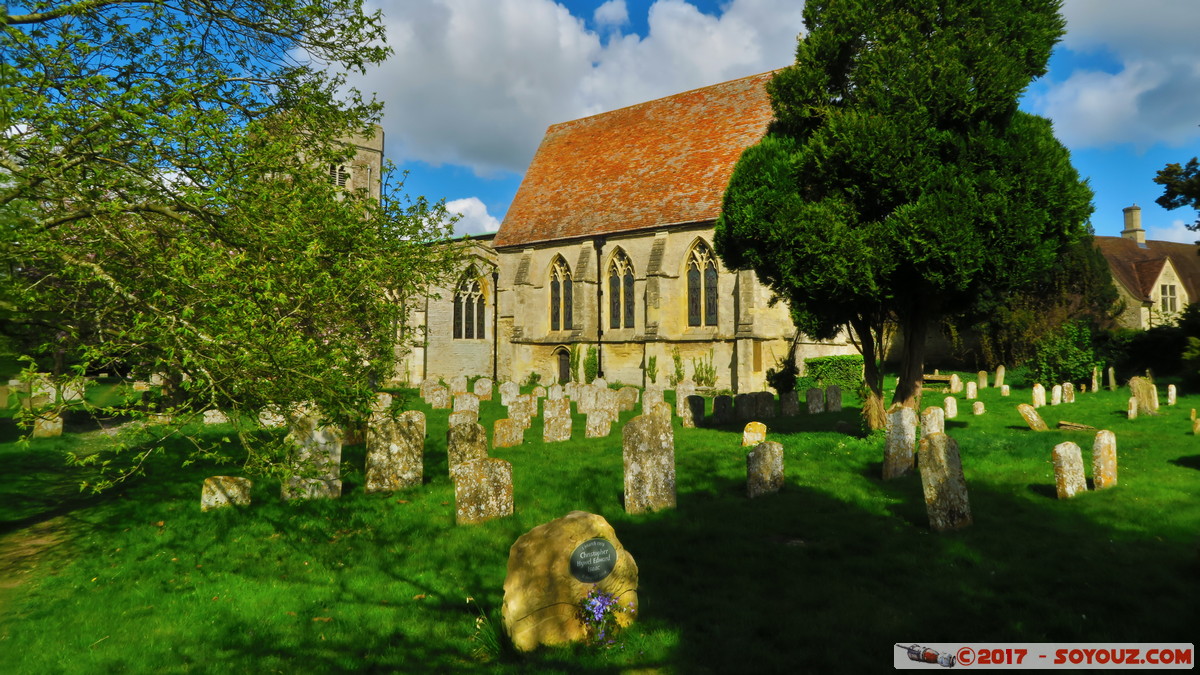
[{"x": 828, "y": 575}]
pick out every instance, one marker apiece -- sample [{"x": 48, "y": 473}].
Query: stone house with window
[
  {"x": 1155, "y": 279},
  {"x": 608, "y": 246}
]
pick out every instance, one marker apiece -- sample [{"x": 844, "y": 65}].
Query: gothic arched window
[
  {"x": 620, "y": 291},
  {"x": 560, "y": 295},
  {"x": 701, "y": 286},
  {"x": 469, "y": 308}
]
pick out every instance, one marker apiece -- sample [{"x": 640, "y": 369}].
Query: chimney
[{"x": 1133, "y": 224}]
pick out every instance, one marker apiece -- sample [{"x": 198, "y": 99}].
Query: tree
[
  {"x": 898, "y": 178},
  {"x": 1181, "y": 187},
  {"x": 165, "y": 193}
]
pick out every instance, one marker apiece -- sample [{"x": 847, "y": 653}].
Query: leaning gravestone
[
  {"x": 833, "y": 398},
  {"x": 1032, "y": 418},
  {"x": 552, "y": 569},
  {"x": 789, "y": 403},
  {"x": 648, "y": 444},
  {"x": 695, "y": 412},
  {"x": 900, "y": 443},
  {"x": 464, "y": 443},
  {"x": 1068, "y": 470},
  {"x": 951, "y": 405},
  {"x": 463, "y": 417},
  {"x": 466, "y": 402},
  {"x": 1104, "y": 460},
  {"x": 395, "y": 450},
  {"x": 998, "y": 381},
  {"x": 508, "y": 433},
  {"x": 222, "y": 491},
  {"x": 1039, "y": 395},
  {"x": 482, "y": 490},
  {"x": 316, "y": 464},
  {"x": 1147, "y": 396},
  {"x": 764, "y": 469},
  {"x": 743, "y": 405},
  {"x": 943, "y": 483},
  {"x": 483, "y": 388},
  {"x": 723, "y": 410},
  {"x": 753, "y": 434},
  {"x": 815, "y": 398},
  {"x": 933, "y": 421}
]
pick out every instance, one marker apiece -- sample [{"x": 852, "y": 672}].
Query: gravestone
[
  {"x": 1004, "y": 390},
  {"x": 599, "y": 424},
  {"x": 662, "y": 409},
  {"x": 695, "y": 412},
  {"x": 271, "y": 417},
  {"x": 464, "y": 443},
  {"x": 523, "y": 408},
  {"x": 458, "y": 385},
  {"x": 483, "y": 388},
  {"x": 743, "y": 404},
  {"x": 439, "y": 398},
  {"x": 222, "y": 491},
  {"x": 482, "y": 490},
  {"x": 507, "y": 391},
  {"x": 585, "y": 398},
  {"x": 1196, "y": 427},
  {"x": 943, "y": 483},
  {"x": 1032, "y": 418},
  {"x": 764, "y": 469},
  {"x": 1068, "y": 392},
  {"x": 427, "y": 387},
  {"x": 1146, "y": 393},
  {"x": 682, "y": 391},
  {"x": 508, "y": 433},
  {"x": 1056, "y": 394},
  {"x": 317, "y": 459},
  {"x": 764, "y": 405},
  {"x": 833, "y": 398},
  {"x": 648, "y": 444},
  {"x": 982, "y": 379},
  {"x": 1104, "y": 460},
  {"x": 977, "y": 408},
  {"x": 651, "y": 396},
  {"x": 463, "y": 417},
  {"x": 1170, "y": 394},
  {"x": 789, "y": 403},
  {"x": 933, "y": 421},
  {"x": 998, "y": 381},
  {"x": 753, "y": 434},
  {"x": 600, "y": 383},
  {"x": 1132, "y": 411},
  {"x": 815, "y": 398},
  {"x": 723, "y": 410},
  {"x": 1039, "y": 395},
  {"x": 956, "y": 385},
  {"x": 606, "y": 402},
  {"x": 951, "y": 405},
  {"x": 47, "y": 426},
  {"x": 395, "y": 450},
  {"x": 555, "y": 392},
  {"x": 1095, "y": 379},
  {"x": 972, "y": 392},
  {"x": 556, "y": 428},
  {"x": 900, "y": 443},
  {"x": 140, "y": 385},
  {"x": 1068, "y": 470},
  {"x": 627, "y": 399},
  {"x": 551, "y": 570},
  {"x": 539, "y": 392},
  {"x": 1112, "y": 379},
  {"x": 466, "y": 402},
  {"x": 556, "y": 407}
]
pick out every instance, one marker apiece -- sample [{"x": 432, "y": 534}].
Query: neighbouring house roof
[
  {"x": 662, "y": 162},
  {"x": 1137, "y": 267}
]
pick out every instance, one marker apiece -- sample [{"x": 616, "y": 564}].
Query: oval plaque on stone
[{"x": 593, "y": 560}]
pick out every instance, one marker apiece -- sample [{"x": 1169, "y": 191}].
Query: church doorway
[{"x": 564, "y": 365}]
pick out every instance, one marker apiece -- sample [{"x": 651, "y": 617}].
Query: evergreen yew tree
[{"x": 899, "y": 178}]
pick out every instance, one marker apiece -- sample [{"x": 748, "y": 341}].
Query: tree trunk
[
  {"x": 872, "y": 411},
  {"x": 914, "y": 327}
]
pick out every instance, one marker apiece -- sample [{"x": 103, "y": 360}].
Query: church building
[{"x": 607, "y": 246}]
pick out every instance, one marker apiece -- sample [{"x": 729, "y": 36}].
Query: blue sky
[{"x": 474, "y": 84}]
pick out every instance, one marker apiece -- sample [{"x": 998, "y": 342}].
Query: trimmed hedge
[{"x": 844, "y": 371}]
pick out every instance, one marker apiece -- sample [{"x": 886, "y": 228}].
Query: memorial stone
[
  {"x": 316, "y": 464},
  {"x": 943, "y": 484},
  {"x": 427, "y": 387},
  {"x": 789, "y": 403},
  {"x": 723, "y": 410},
  {"x": 463, "y": 417},
  {"x": 555, "y": 392},
  {"x": 464, "y": 443},
  {"x": 1039, "y": 395},
  {"x": 648, "y": 443},
  {"x": 507, "y": 391},
  {"x": 933, "y": 421},
  {"x": 1056, "y": 394},
  {"x": 215, "y": 417},
  {"x": 1032, "y": 418},
  {"x": 439, "y": 398},
  {"x": 482, "y": 490},
  {"x": 695, "y": 412},
  {"x": 483, "y": 388},
  {"x": 1004, "y": 390},
  {"x": 1146, "y": 394},
  {"x": 395, "y": 450},
  {"x": 627, "y": 399},
  {"x": 458, "y": 385},
  {"x": 222, "y": 491},
  {"x": 982, "y": 379},
  {"x": 1095, "y": 379},
  {"x": 1104, "y": 460},
  {"x": 508, "y": 433},
  {"x": 743, "y": 405},
  {"x": 833, "y": 398},
  {"x": 753, "y": 434},
  {"x": 998, "y": 381},
  {"x": 977, "y": 408},
  {"x": 682, "y": 391},
  {"x": 956, "y": 385},
  {"x": 815, "y": 398},
  {"x": 972, "y": 392},
  {"x": 466, "y": 402},
  {"x": 556, "y": 428},
  {"x": 764, "y": 405},
  {"x": 1068, "y": 392},
  {"x": 951, "y": 405},
  {"x": 1132, "y": 411},
  {"x": 523, "y": 408},
  {"x": 764, "y": 469},
  {"x": 599, "y": 424},
  {"x": 900, "y": 443},
  {"x": 47, "y": 426},
  {"x": 539, "y": 392},
  {"x": 1112, "y": 379},
  {"x": 1170, "y": 394},
  {"x": 1069, "y": 479}
]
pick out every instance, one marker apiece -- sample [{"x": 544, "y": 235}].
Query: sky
[{"x": 473, "y": 85}]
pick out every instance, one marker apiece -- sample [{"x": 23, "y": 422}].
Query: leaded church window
[
  {"x": 620, "y": 291},
  {"x": 701, "y": 287},
  {"x": 469, "y": 309},
  {"x": 560, "y": 295}
]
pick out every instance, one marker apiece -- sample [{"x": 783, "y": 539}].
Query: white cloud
[
  {"x": 611, "y": 14},
  {"x": 474, "y": 219},
  {"x": 1151, "y": 98},
  {"x": 1176, "y": 231},
  {"x": 476, "y": 82}
]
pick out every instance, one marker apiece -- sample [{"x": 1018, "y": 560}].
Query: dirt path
[{"x": 23, "y": 550}]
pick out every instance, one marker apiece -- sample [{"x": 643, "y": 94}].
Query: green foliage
[
  {"x": 573, "y": 359},
  {"x": 1181, "y": 187},
  {"x": 1067, "y": 355},
  {"x": 532, "y": 379},
  {"x": 845, "y": 371},
  {"x": 591, "y": 364},
  {"x": 652, "y": 368},
  {"x": 704, "y": 373},
  {"x": 677, "y": 375},
  {"x": 782, "y": 378}
]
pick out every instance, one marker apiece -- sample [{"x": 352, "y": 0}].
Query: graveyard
[{"x": 827, "y": 566}]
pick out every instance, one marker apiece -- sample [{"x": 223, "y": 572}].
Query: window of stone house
[
  {"x": 560, "y": 295},
  {"x": 1168, "y": 301},
  {"x": 701, "y": 286},
  {"x": 620, "y": 291},
  {"x": 469, "y": 309}
]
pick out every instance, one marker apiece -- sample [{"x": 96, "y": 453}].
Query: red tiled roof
[
  {"x": 657, "y": 163},
  {"x": 1137, "y": 268}
]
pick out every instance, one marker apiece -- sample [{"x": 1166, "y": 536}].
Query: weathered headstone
[
  {"x": 464, "y": 443},
  {"x": 662, "y": 409},
  {"x": 1146, "y": 394},
  {"x": 943, "y": 483},
  {"x": 695, "y": 412},
  {"x": 1095, "y": 379},
  {"x": 551, "y": 570},
  {"x": 764, "y": 405},
  {"x": 140, "y": 385},
  {"x": 599, "y": 424},
  {"x": 508, "y": 433},
  {"x": 600, "y": 383},
  {"x": 998, "y": 381},
  {"x": 482, "y": 490},
  {"x": 1039, "y": 395},
  {"x": 463, "y": 417},
  {"x": 951, "y": 405},
  {"x": 606, "y": 402},
  {"x": 222, "y": 491},
  {"x": 1170, "y": 394},
  {"x": 1069, "y": 479},
  {"x": 47, "y": 426},
  {"x": 523, "y": 408},
  {"x": 1056, "y": 394},
  {"x": 977, "y": 408},
  {"x": 900, "y": 443},
  {"x": 556, "y": 428},
  {"x": 395, "y": 450},
  {"x": 956, "y": 385},
  {"x": 972, "y": 392},
  {"x": 627, "y": 398},
  {"x": 982, "y": 379},
  {"x": 458, "y": 385},
  {"x": 1196, "y": 427},
  {"x": 1004, "y": 390},
  {"x": 466, "y": 402},
  {"x": 1032, "y": 418},
  {"x": 483, "y": 388},
  {"x": 316, "y": 464},
  {"x": 649, "y": 453},
  {"x": 743, "y": 404},
  {"x": 933, "y": 421},
  {"x": 555, "y": 392},
  {"x": 1068, "y": 392},
  {"x": 271, "y": 417},
  {"x": 682, "y": 391},
  {"x": 815, "y": 398},
  {"x": 507, "y": 391},
  {"x": 651, "y": 396},
  {"x": 833, "y": 398},
  {"x": 1112, "y": 379},
  {"x": 764, "y": 469},
  {"x": 556, "y": 407},
  {"x": 723, "y": 410},
  {"x": 789, "y": 403},
  {"x": 1104, "y": 460},
  {"x": 753, "y": 434},
  {"x": 1132, "y": 411},
  {"x": 539, "y": 392},
  {"x": 439, "y": 397}
]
